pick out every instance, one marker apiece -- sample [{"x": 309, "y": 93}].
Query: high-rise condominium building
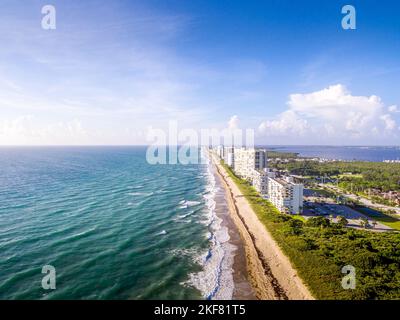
[
  {"x": 260, "y": 180},
  {"x": 248, "y": 160},
  {"x": 229, "y": 156},
  {"x": 285, "y": 195}
]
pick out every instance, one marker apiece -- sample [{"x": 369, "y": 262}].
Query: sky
[{"x": 113, "y": 70}]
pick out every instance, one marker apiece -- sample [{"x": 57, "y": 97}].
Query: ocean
[
  {"x": 112, "y": 226},
  {"x": 115, "y": 227},
  {"x": 362, "y": 153}
]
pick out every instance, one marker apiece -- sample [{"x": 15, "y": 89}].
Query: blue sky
[{"x": 112, "y": 70}]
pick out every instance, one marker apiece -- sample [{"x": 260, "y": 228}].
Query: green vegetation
[
  {"x": 380, "y": 217},
  {"x": 319, "y": 250},
  {"x": 282, "y": 155},
  {"x": 324, "y": 192},
  {"x": 351, "y": 176},
  {"x": 355, "y": 177},
  {"x": 365, "y": 175}
]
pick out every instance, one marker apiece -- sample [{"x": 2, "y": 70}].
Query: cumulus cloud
[
  {"x": 333, "y": 112},
  {"x": 233, "y": 123},
  {"x": 390, "y": 124},
  {"x": 394, "y": 109},
  {"x": 286, "y": 123},
  {"x": 29, "y": 130}
]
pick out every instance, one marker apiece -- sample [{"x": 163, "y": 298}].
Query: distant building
[
  {"x": 285, "y": 195},
  {"x": 231, "y": 159},
  {"x": 260, "y": 181},
  {"x": 220, "y": 152},
  {"x": 229, "y": 156},
  {"x": 248, "y": 160}
]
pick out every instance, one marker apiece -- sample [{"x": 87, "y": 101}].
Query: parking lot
[{"x": 320, "y": 206}]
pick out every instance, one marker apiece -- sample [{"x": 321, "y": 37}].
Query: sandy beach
[
  {"x": 242, "y": 287},
  {"x": 269, "y": 271}
]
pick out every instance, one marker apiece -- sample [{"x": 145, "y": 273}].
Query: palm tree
[
  {"x": 364, "y": 223},
  {"x": 342, "y": 221}
]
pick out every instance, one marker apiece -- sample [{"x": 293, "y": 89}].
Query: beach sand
[
  {"x": 269, "y": 271},
  {"x": 243, "y": 289}
]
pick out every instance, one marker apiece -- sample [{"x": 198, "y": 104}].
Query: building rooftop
[{"x": 285, "y": 182}]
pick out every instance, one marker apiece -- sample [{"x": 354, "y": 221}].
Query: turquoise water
[{"x": 113, "y": 226}]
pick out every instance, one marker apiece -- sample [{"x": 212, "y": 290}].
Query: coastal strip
[{"x": 270, "y": 271}]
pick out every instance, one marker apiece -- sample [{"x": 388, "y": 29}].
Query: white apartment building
[
  {"x": 248, "y": 160},
  {"x": 285, "y": 195},
  {"x": 229, "y": 156},
  {"x": 260, "y": 182},
  {"x": 226, "y": 154},
  {"x": 220, "y": 151},
  {"x": 231, "y": 159}
]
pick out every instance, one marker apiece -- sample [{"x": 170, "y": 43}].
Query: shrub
[{"x": 318, "y": 222}]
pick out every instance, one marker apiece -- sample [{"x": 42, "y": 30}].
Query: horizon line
[{"x": 147, "y": 145}]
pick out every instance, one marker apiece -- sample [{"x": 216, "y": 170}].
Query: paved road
[
  {"x": 353, "y": 217},
  {"x": 364, "y": 201}
]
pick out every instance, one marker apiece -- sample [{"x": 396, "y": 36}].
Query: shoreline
[
  {"x": 224, "y": 270},
  {"x": 269, "y": 271},
  {"x": 242, "y": 290}
]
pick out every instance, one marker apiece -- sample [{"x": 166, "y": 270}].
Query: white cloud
[
  {"x": 233, "y": 123},
  {"x": 333, "y": 114},
  {"x": 27, "y": 130},
  {"x": 390, "y": 124},
  {"x": 394, "y": 109},
  {"x": 287, "y": 123}
]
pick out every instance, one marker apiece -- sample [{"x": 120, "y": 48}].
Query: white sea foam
[
  {"x": 162, "y": 191},
  {"x": 183, "y": 216},
  {"x": 191, "y": 253},
  {"x": 183, "y": 221},
  {"x": 147, "y": 194},
  {"x": 186, "y": 203},
  {"x": 215, "y": 281},
  {"x": 161, "y": 233}
]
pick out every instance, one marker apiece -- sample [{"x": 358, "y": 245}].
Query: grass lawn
[
  {"x": 323, "y": 192},
  {"x": 346, "y": 175},
  {"x": 381, "y": 217}
]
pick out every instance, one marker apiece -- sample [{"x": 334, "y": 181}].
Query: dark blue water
[{"x": 375, "y": 154}]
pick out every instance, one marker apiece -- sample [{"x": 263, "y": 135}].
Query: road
[{"x": 363, "y": 200}]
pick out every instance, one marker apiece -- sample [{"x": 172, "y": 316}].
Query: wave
[
  {"x": 161, "y": 233},
  {"x": 192, "y": 253},
  {"x": 185, "y": 204},
  {"x": 147, "y": 194},
  {"x": 135, "y": 187},
  {"x": 215, "y": 281},
  {"x": 183, "y": 216},
  {"x": 74, "y": 237},
  {"x": 183, "y": 221}
]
